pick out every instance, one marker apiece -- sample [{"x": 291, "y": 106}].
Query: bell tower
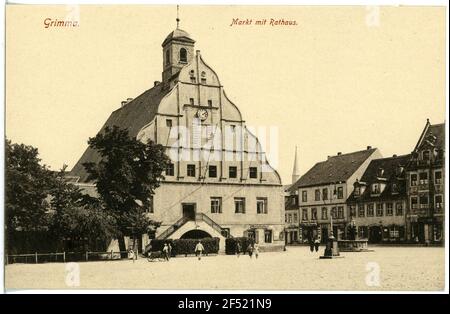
[{"x": 178, "y": 50}]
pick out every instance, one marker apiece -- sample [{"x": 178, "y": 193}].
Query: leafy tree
[
  {"x": 78, "y": 216},
  {"x": 26, "y": 189},
  {"x": 126, "y": 177}
]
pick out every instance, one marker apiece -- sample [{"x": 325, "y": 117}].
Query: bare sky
[{"x": 332, "y": 83}]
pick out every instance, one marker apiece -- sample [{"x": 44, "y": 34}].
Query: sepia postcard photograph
[{"x": 227, "y": 147}]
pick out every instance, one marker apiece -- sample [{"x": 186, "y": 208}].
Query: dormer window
[
  {"x": 394, "y": 188},
  {"x": 426, "y": 155},
  {"x": 375, "y": 188},
  {"x": 357, "y": 191},
  {"x": 380, "y": 172},
  {"x": 183, "y": 55}
]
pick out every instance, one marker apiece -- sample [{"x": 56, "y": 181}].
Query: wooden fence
[{"x": 63, "y": 257}]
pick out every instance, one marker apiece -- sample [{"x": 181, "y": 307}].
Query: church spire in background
[{"x": 295, "y": 170}]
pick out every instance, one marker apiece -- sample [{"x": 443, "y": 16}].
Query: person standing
[
  {"x": 311, "y": 243},
  {"x": 166, "y": 252},
  {"x": 238, "y": 248},
  {"x": 256, "y": 250},
  {"x": 199, "y": 250},
  {"x": 316, "y": 244}
]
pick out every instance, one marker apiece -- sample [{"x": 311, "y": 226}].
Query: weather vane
[{"x": 178, "y": 15}]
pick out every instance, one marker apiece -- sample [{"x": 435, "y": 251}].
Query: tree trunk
[{"x": 122, "y": 247}]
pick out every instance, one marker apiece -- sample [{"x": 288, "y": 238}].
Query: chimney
[
  {"x": 156, "y": 83},
  {"x": 123, "y": 103},
  {"x": 369, "y": 147},
  {"x": 129, "y": 99},
  {"x": 395, "y": 155},
  {"x": 339, "y": 153}
]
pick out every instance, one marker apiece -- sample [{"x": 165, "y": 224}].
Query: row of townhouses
[{"x": 394, "y": 199}]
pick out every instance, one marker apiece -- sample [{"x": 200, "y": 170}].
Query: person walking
[
  {"x": 256, "y": 250},
  {"x": 199, "y": 250},
  {"x": 170, "y": 250},
  {"x": 250, "y": 250},
  {"x": 316, "y": 244},
  {"x": 238, "y": 248},
  {"x": 166, "y": 251}
]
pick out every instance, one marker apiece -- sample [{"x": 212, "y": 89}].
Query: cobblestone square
[{"x": 399, "y": 268}]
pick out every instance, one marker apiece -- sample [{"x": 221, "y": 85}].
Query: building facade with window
[
  {"x": 378, "y": 202},
  {"x": 425, "y": 187},
  {"x": 323, "y": 190},
  {"x": 219, "y": 182}
]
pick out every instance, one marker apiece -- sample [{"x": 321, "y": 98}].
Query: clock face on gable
[{"x": 202, "y": 114}]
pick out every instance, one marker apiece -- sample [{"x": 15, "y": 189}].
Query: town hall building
[{"x": 219, "y": 182}]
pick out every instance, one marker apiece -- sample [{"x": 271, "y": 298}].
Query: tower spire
[
  {"x": 295, "y": 170},
  {"x": 178, "y": 16}
]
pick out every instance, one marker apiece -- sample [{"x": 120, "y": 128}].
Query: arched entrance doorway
[{"x": 196, "y": 234}]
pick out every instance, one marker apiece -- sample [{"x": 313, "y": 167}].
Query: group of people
[
  {"x": 314, "y": 243},
  {"x": 252, "y": 249}
]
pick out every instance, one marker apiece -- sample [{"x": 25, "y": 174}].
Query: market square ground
[{"x": 400, "y": 268}]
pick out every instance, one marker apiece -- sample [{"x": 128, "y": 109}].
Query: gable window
[
  {"x": 212, "y": 170},
  {"x": 317, "y": 195},
  {"x": 239, "y": 205},
  {"x": 305, "y": 214},
  {"x": 380, "y": 209},
  {"x": 304, "y": 196},
  {"x": 357, "y": 191},
  {"x": 203, "y": 78},
  {"x": 438, "y": 201},
  {"x": 438, "y": 177},
  {"x": 423, "y": 177},
  {"x": 191, "y": 101},
  {"x": 183, "y": 55},
  {"x": 210, "y": 102},
  {"x": 340, "y": 192},
  {"x": 426, "y": 155},
  {"x": 191, "y": 170},
  {"x": 413, "y": 179},
  {"x": 232, "y": 172},
  {"x": 324, "y": 213},
  {"x": 361, "y": 211},
  {"x": 389, "y": 209},
  {"x": 168, "y": 123},
  {"x": 325, "y": 194},
  {"x": 170, "y": 169},
  {"x": 399, "y": 209},
  {"x": 370, "y": 210},
  {"x": 216, "y": 205},
  {"x": 414, "y": 202},
  {"x": 261, "y": 205},
  {"x": 253, "y": 172}
]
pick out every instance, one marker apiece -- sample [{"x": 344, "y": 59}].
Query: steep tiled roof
[
  {"x": 180, "y": 35},
  {"x": 390, "y": 175},
  {"x": 132, "y": 116},
  {"x": 437, "y": 130},
  {"x": 334, "y": 169}
]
